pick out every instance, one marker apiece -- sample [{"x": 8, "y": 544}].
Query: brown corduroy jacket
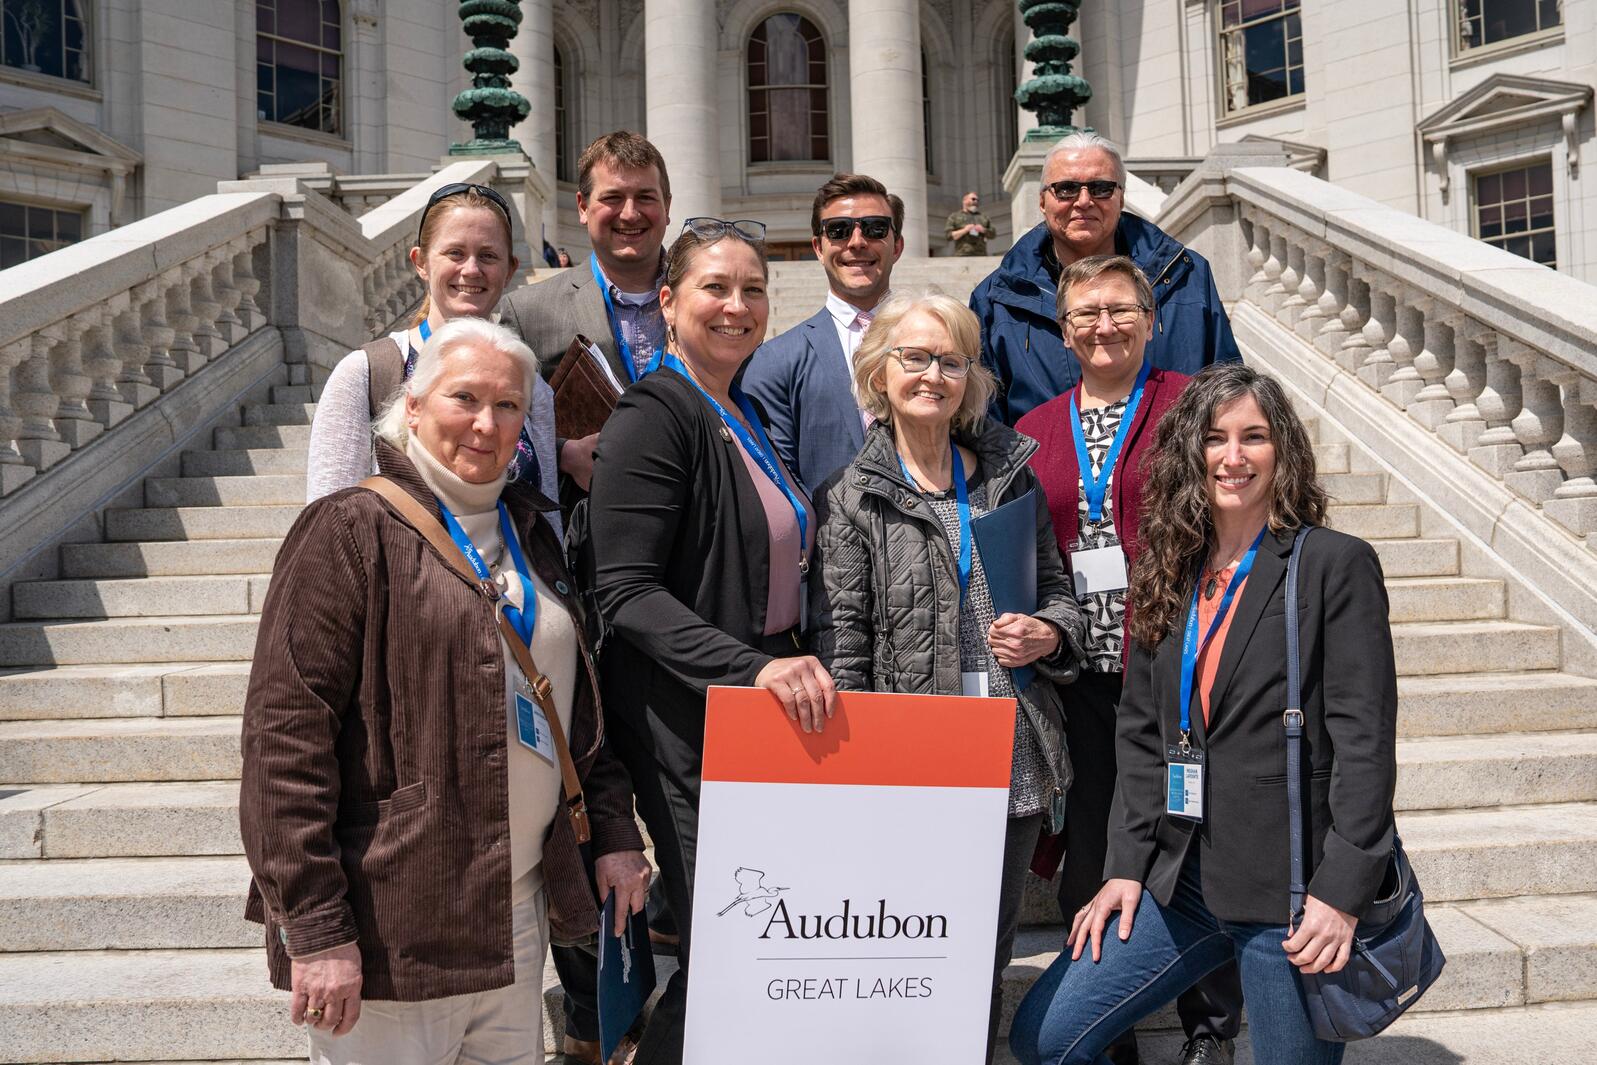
[{"x": 374, "y": 802}]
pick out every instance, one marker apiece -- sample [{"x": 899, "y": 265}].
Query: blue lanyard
[
  {"x": 1096, "y": 488},
  {"x": 1190, "y": 645},
  {"x": 426, "y": 330},
  {"x": 962, "y": 504},
  {"x": 524, "y": 618},
  {"x": 756, "y": 444},
  {"x": 615, "y": 328}
]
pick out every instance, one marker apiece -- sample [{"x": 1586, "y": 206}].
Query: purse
[{"x": 1395, "y": 956}]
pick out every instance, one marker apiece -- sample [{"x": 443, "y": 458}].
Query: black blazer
[
  {"x": 681, "y": 552},
  {"x": 1350, "y": 738}
]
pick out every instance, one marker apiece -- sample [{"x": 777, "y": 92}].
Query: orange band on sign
[{"x": 927, "y": 741}]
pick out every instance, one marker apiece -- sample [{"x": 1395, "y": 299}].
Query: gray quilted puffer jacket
[{"x": 885, "y": 612}]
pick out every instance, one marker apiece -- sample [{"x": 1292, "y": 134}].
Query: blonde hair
[
  {"x": 878, "y": 344},
  {"x": 455, "y": 333}
]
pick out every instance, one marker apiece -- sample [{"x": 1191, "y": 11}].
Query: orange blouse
[{"x": 1209, "y": 657}]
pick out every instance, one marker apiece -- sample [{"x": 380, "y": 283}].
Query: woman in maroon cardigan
[{"x": 1105, "y": 312}]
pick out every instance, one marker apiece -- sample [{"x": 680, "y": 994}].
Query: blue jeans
[{"x": 1076, "y": 1009}]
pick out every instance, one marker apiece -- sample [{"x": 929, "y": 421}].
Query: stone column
[
  {"x": 534, "y": 48},
  {"x": 680, "y": 59},
  {"x": 885, "y": 92}
]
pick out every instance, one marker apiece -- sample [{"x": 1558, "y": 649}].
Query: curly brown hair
[{"x": 1176, "y": 529}]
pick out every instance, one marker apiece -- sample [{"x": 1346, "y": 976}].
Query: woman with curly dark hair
[{"x": 1199, "y": 861}]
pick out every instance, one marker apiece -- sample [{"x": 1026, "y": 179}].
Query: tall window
[
  {"x": 1262, "y": 45},
  {"x": 46, "y": 37},
  {"x": 1008, "y": 82},
  {"x": 926, "y": 108},
  {"x": 298, "y": 63},
  {"x": 563, "y": 167},
  {"x": 787, "y": 91},
  {"x": 1483, "y": 22},
  {"x": 1514, "y": 210},
  {"x": 27, "y": 232}
]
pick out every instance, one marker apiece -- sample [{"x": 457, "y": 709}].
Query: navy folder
[
  {"x": 1007, "y": 539},
  {"x": 626, "y": 975}
]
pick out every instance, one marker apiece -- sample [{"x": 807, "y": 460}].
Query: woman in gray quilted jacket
[{"x": 903, "y": 603}]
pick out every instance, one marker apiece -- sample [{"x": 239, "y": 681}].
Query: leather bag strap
[
  {"x": 1293, "y": 719},
  {"x": 542, "y": 690},
  {"x": 385, "y": 363}
]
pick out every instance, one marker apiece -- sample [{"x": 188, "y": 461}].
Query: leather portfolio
[{"x": 585, "y": 390}]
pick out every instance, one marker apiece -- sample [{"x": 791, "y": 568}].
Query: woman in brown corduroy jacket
[{"x": 410, "y": 853}]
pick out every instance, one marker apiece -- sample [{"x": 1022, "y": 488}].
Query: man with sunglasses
[
  {"x": 803, "y": 376},
  {"x": 1082, "y": 201}
]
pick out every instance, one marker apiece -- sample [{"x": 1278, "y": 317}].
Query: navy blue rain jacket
[{"x": 1021, "y": 342}]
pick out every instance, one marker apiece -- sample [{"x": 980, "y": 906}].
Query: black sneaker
[{"x": 1207, "y": 1050}]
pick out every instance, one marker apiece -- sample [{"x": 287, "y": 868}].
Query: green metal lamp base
[{"x": 480, "y": 146}]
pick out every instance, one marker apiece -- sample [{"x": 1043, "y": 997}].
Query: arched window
[
  {"x": 299, "y": 63},
  {"x": 787, "y": 91},
  {"x": 563, "y": 168}
]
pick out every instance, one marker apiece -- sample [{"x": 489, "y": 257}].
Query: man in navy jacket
[{"x": 1082, "y": 198}]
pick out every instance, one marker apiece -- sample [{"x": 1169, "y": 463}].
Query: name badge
[
  {"x": 973, "y": 684},
  {"x": 1102, "y": 569},
  {"x": 1184, "y": 783},
  {"x": 532, "y": 728}
]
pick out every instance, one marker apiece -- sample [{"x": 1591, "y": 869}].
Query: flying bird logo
[{"x": 753, "y": 893}]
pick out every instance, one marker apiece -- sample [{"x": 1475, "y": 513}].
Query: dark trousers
[
  {"x": 579, "y": 981},
  {"x": 1212, "y": 1006},
  {"x": 1020, "y": 840}
]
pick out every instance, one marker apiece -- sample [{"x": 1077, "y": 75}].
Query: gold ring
[{"x": 314, "y": 1013}]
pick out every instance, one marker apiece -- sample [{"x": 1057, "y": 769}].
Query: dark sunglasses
[
  {"x": 706, "y": 228},
  {"x": 874, "y": 226},
  {"x": 455, "y": 188},
  {"x": 1067, "y": 191}
]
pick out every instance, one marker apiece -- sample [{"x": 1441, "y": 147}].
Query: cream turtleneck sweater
[{"x": 534, "y": 782}]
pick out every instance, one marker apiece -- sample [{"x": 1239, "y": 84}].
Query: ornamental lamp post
[
  {"x": 1054, "y": 93},
  {"x": 490, "y": 105}
]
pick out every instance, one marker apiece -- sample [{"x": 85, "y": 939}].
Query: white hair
[
  {"x": 456, "y": 333},
  {"x": 1081, "y": 141}
]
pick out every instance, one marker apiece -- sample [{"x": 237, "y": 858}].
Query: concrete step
[
  {"x": 1446, "y": 598},
  {"x": 1557, "y": 934},
  {"x": 279, "y": 413},
  {"x": 292, "y": 394},
  {"x": 156, "y": 818},
  {"x": 169, "y": 558},
  {"x": 1503, "y": 852},
  {"x": 200, "y": 523},
  {"x": 115, "y": 749},
  {"x": 1375, "y": 521},
  {"x": 139, "y": 597},
  {"x": 1355, "y": 488},
  {"x": 241, "y": 462},
  {"x": 181, "y": 689},
  {"x": 1417, "y": 558},
  {"x": 1428, "y": 648},
  {"x": 1331, "y": 458},
  {"x": 248, "y": 491},
  {"x": 157, "y": 1005},
  {"x": 222, "y": 638},
  {"x": 1456, "y": 772},
  {"x": 262, "y": 436},
  {"x": 125, "y": 904},
  {"x": 1484, "y": 703}
]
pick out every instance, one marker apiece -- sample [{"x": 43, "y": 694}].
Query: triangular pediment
[
  {"x": 50, "y": 130},
  {"x": 1505, "y": 100}
]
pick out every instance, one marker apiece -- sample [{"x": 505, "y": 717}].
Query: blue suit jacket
[{"x": 802, "y": 379}]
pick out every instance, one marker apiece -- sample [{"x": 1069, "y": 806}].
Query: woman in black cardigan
[{"x": 701, "y": 542}]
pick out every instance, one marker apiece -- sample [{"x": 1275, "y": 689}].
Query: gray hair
[
  {"x": 456, "y": 333},
  {"x": 1081, "y": 141}
]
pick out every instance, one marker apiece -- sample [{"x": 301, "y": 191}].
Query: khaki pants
[{"x": 499, "y": 1027}]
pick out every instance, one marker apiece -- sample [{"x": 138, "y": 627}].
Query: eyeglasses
[
  {"x": 919, "y": 360},
  {"x": 874, "y": 226},
  {"x": 1067, "y": 191},
  {"x": 707, "y": 228},
  {"x": 1119, "y": 313},
  {"x": 455, "y": 188}
]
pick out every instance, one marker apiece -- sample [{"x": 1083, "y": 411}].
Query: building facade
[{"x": 1473, "y": 113}]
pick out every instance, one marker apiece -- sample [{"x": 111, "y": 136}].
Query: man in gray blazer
[
  {"x": 613, "y": 297},
  {"x": 804, "y": 376}
]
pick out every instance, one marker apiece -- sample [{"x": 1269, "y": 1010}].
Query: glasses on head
[
  {"x": 874, "y": 226},
  {"x": 708, "y": 228},
  {"x": 1067, "y": 191},
  {"x": 1119, "y": 313},
  {"x": 455, "y": 188},
  {"x": 919, "y": 360}
]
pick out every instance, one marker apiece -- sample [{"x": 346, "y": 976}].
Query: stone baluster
[
  {"x": 34, "y": 398},
  {"x": 128, "y": 341},
  {"x": 1312, "y": 288},
  {"x": 1539, "y": 424},
  {"x": 163, "y": 370},
  {"x": 1258, "y": 251},
  {"x": 1499, "y": 403},
  {"x": 73, "y": 420},
  {"x": 1574, "y": 503},
  {"x": 102, "y": 364},
  {"x": 1286, "y": 311},
  {"x": 1355, "y": 347},
  {"x": 180, "y": 314},
  {"x": 1334, "y": 302},
  {"x": 1380, "y": 332},
  {"x": 1465, "y": 382},
  {"x": 14, "y": 469},
  {"x": 202, "y": 300},
  {"x": 244, "y": 279},
  {"x": 1433, "y": 363},
  {"x": 228, "y": 326},
  {"x": 1275, "y": 291},
  {"x": 1405, "y": 381}
]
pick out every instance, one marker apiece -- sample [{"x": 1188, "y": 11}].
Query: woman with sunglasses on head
[
  {"x": 464, "y": 256},
  {"x": 902, "y": 582},
  {"x": 1200, "y": 865},
  {"x": 701, "y": 542}
]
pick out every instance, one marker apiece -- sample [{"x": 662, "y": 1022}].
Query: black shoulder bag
[{"x": 1395, "y": 956}]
